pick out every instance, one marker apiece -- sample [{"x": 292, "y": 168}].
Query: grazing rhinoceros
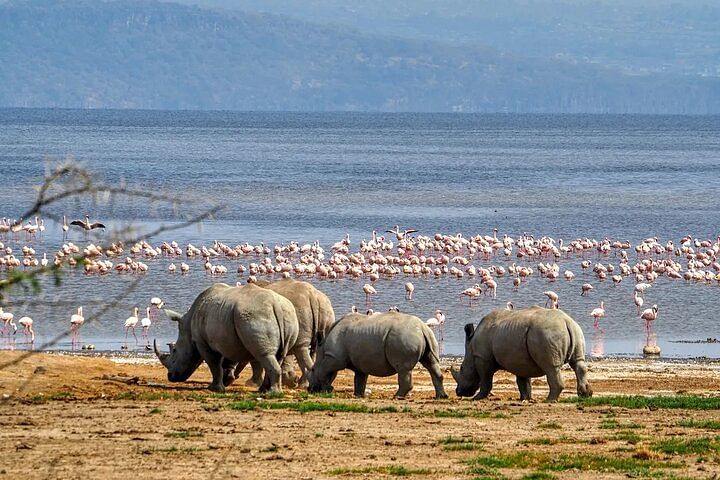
[
  {"x": 315, "y": 315},
  {"x": 529, "y": 343},
  {"x": 382, "y": 345},
  {"x": 232, "y": 325}
]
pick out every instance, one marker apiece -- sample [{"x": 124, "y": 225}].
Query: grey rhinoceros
[
  {"x": 315, "y": 315},
  {"x": 529, "y": 343},
  {"x": 232, "y": 325},
  {"x": 381, "y": 345}
]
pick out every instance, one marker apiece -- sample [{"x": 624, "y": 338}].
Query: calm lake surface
[{"x": 307, "y": 176}]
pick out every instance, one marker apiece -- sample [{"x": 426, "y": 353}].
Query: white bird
[
  {"x": 409, "y": 289},
  {"x": 172, "y": 268},
  {"x": 369, "y": 290},
  {"x": 437, "y": 321},
  {"x": 509, "y": 306},
  {"x": 130, "y": 324},
  {"x": 598, "y": 313},
  {"x": 641, "y": 287},
  {"x": 76, "y": 321},
  {"x": 27, "y": 324},
  {"x": 586, "y": 287},
  {"x": 7, "y": 319},
  {"x": 145, "y": 322},
  {"x": 553, "y": 300},
  {"x": 638, "y": 301},
  {"x": 86, "y": 225},
  {"x": 157, "y": 302}
]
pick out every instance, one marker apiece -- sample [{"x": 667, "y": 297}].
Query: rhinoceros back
[{"x": 527, "y": 341}]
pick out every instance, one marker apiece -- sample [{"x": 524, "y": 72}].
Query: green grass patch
[
  {"x": 627, "y": 436},
  {"x": 55, "y": 396},
  {"x": 464, "y": 413},
  {"x": 612, "y": 423},
  {"x": 550, "y": 426},
  {"x": 149, "y": 396},
  {"x": 688, "y": 402},
  {"x": 155, "y": 411},
  {"x": 538, "y": 476},
  {"x": 184, "y": 434},
  {"x": 704, "y": 424},
  {"x": 310, "y": 406},
  {"x": 395, "y": 470},
  {"x": 461, "y": 443},
  {"x": 690, "y": 446},
  {"x": 563, "y": 462},
  {"x": 551, "y": 441}
]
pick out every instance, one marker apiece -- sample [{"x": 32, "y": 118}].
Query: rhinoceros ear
[
  {"x": 469, "y": 331},
  {"x": 172, "y": 315}
]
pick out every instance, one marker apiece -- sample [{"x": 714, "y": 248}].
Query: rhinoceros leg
[
  {"x": 273, "y": 374},
  {"x": 305, "y": 362},
  {"x": 229, "y": 369},
  {"x": 257, "y": 374},
  {"x": 360, "y": 384},
  {"x": 556, "y": 384},
  {"x": 215, "y": 362},
  {"x": 404, "y": 383},
  {"x": 583, "y": 386},
  {"x": 433, "y": 367},
  {"x": 486, "y": 374},
  {"x": 525, "y": 387}
]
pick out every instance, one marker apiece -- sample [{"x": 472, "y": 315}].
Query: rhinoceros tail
[
  {"x": 283, "y": 348},
  {"x": 315, "y": 310},
  {"x": 576, "y": 352},
  {"x": 431, "y": 345}
]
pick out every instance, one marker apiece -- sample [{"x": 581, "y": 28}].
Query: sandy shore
[{"x": 65, "y": 416}]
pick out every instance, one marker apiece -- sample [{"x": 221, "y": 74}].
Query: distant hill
[
  {"x": 141, "y": 54},
  {"x": 636, "y": 36}
]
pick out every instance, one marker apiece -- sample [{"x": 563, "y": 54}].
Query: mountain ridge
[{"x": 146, "y": 54}]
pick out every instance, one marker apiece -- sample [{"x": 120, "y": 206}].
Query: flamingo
[
  {"x": 598, "y": 313},
  {"x": 27, "y": 324},
  {"x": 586, "y": 287},
  {"x": 145, "y": 322},
  {"x": 638, "y": 301},
  {"x": 641, "y": 287},
  {"x": 509, "y": 306},
  {"x": 649, "y": 315},
  {"x": 369, "y": 290},
  {"x": 437, "y": 320},
  {"x": 409, "y": 289},
  {"x": 553, "y": 300},
  {"x": 76, "y": 321},
  {"x": 86, "y": 225},
  {"x": 172, "y": 268},
  {"x": 184, "y": 268},
  {"x": 65, "y": 227},
  {"x": 400, "y": 234},
  {"x": 130, "y": 324},
  {"x": 7, "y": 319},
  {"x": 471, "y": 293}
]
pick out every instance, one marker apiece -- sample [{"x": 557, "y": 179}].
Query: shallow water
[{"x": 307, "y": 177}]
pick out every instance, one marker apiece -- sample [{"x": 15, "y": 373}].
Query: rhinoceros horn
[
  {"x": 163, "y": 357},
  {"x": 455, "y": 374},
  {"x": 173, "y": 315}
]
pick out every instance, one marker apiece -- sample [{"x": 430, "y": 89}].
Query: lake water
[{"x": 307, "y": 177}]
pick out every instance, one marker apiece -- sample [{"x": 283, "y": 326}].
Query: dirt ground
[{"x": 65, "y": 416}]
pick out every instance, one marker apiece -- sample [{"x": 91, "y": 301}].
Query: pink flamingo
[
  {"x": 649, "y": 315},
  {"x": 597, "y": 314},
  {"x": 438, "y": 320},
  {"x": 76, "y": 321},
  {"x": 369, "y": 291},
  {"x": 409, "y": 289},
  {"x": 553, "y": 300}
]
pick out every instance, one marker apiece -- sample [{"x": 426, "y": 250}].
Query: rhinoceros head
[
  {"x": 321, "y": 376},
  {"x": 468, "y": 380},
  {"x": 183, "y": 358}
]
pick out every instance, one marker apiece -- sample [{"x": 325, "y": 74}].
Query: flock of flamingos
[{"x": 396, "y": 253}]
